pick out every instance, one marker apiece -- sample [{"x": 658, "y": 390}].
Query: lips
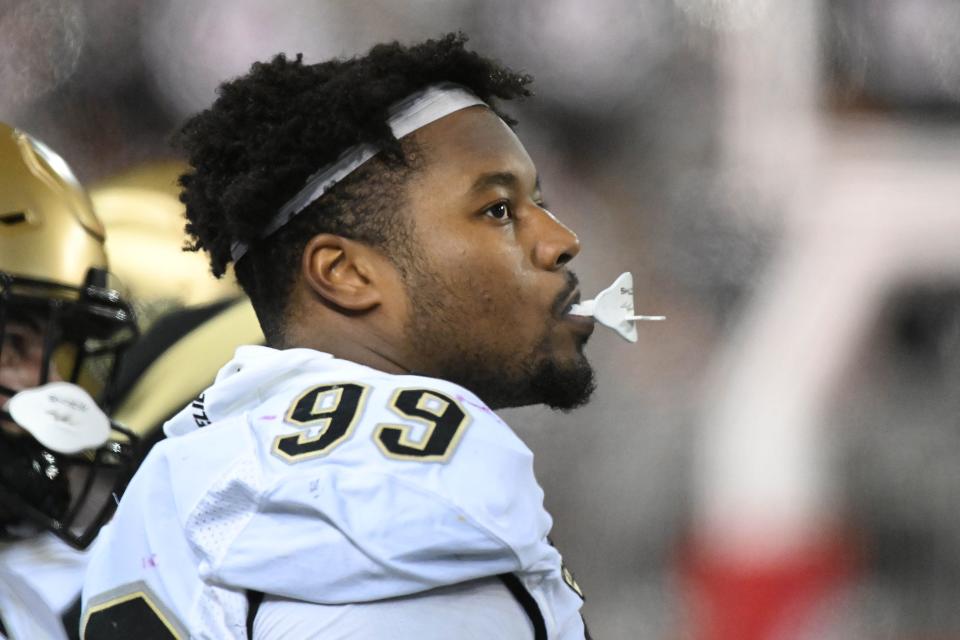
[
  {"x": 572, "y": 299},
  {"x": 564, "y": 303},
  {"x": 582, "y": 325},
  {"x": 569, "y": 296}
]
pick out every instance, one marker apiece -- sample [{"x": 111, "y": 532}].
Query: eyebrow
[{"x": 500, "y": 179}]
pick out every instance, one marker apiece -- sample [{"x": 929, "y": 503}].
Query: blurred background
[{"x": 778, "y": 459}]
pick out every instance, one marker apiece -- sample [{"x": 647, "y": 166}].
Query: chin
[
  {"x": 558, "y": 376},
  {"x": 559, "y": 384},
  {"x": 564, "y": 385}
]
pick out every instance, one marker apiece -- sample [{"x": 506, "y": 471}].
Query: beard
[
  {"x": 534, "y": 379},
  {"x": 562, "y": 386},
  {"x": 540, "y": 376}
]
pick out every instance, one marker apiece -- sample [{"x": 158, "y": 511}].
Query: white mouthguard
[
  {"x": 613, "y": 308},
  {"x": 61, "y": 416}
]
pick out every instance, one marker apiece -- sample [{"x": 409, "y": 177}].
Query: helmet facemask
[{"x": 53, "y": 332}]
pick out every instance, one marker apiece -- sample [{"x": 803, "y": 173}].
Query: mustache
[{"x": 560, "y": 303}]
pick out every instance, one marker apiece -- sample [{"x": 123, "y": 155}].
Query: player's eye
[
  {"x": 500, "y": 211},
  {"x": 15, "y": 344}
]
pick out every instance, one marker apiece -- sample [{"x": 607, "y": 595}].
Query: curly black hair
[{"x": 270, "y": 130}]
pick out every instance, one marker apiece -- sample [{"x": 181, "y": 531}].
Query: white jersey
[
  {"x": 476, "y": 610},
  {"x": 24, "y": 612},
  {"x": 40, "y": 578},
  {"x": 50, "y": 566},
  {"x": 323, "y": 481}
]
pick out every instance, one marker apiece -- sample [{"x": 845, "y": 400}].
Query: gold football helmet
[
  {"x": 54, "y": 290},
  {"x": 144, "y": 219}
]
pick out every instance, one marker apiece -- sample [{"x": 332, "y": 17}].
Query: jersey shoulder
[
  {"x": 361, "y": 415},
  {"x": 448, "y": 451}
]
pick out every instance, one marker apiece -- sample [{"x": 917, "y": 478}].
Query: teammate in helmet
[{"x": 61, "y": 332}]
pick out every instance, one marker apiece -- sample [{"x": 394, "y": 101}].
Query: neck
[{"x": 351, "y": 343}]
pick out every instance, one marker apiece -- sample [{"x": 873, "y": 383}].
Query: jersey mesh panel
[{"x": 214, "y": 524}]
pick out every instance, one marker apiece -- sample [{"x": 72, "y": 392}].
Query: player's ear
[{"x": 343, "y": 272}]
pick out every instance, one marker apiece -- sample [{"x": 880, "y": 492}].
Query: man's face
[
  {"x": 487, "y": 283},
  {"x": 21, "y": 356},
  {"x": 21, "y": 362},
  {"x": 24, "y": 464}
]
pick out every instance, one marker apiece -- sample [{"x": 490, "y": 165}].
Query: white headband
[{"x": 406, "y": 116}]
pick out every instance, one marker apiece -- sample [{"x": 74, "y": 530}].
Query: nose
[{"x": 556, "y": 244}]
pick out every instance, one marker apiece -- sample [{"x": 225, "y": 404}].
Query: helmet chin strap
[
  {"x": 61, "y": 416},
  {"x": 613, "y": 308}
]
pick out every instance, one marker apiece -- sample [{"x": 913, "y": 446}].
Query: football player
[
  {"x": 61, "y": 330},
  {"x": 351, "y": 479}
]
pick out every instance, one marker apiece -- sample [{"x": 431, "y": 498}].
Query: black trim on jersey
[
  {"x": 254, "y": 600},
  {"x": 129, "y": 618},
  {"x": 526, "y": 601},
  {"x": 71, "y": 620}
]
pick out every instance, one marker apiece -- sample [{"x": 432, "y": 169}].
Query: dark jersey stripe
[{"x": 529, "y": 605}]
